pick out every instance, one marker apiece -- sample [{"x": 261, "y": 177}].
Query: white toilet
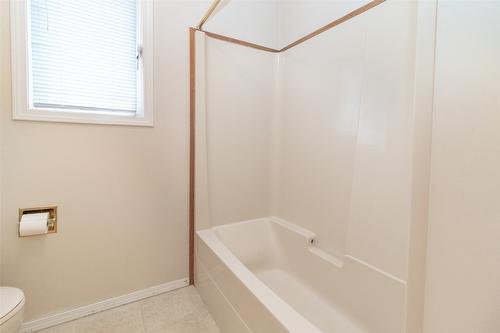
[{"x": 11, "y": 309}]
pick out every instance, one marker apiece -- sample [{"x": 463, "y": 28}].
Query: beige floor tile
[
  {"x": 169, "y": 310},
  {"x": 195, "y": 325},
  {"x": 127, "y": 318},
  {"x": 179, "y": 311}
]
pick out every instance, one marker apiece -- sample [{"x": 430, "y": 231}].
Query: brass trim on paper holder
[{"x": 51, "y": 223}]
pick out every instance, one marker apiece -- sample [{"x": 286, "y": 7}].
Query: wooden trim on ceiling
[
  {"x": 192, "y": 95},
  {"x": 239, "y": 42},
  {"x": 332, "y": 24},
  {"x": 192, "y": 147},
  {"x": 315, "y": 33},
  {"x": 209, "y": 12}
]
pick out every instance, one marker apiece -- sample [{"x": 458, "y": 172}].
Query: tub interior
[{"x": 283, "y": 257}]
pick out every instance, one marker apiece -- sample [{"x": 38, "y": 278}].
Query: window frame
[{"x": 22, "y": 105}]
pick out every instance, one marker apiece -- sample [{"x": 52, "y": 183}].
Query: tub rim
[{"x": 286, "y": 315}]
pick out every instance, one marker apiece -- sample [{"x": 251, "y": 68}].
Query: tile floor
[{"x": 179, "y": 311}]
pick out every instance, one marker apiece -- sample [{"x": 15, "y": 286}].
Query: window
[{"x": 83, "y": 61}]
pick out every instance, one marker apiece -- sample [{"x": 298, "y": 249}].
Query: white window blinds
[{"x": 83, "y": 55}]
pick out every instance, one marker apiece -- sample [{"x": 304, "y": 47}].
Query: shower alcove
[{"x": 309, "y": 164}]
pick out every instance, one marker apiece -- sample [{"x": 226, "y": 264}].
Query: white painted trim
[
  {"x": 22, "y": 108},
  {"x": 60, "y": 318}
]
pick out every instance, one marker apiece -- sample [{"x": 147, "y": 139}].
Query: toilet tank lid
[{"x": 10, "y": 298}]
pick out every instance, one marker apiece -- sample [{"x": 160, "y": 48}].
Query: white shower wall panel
[
  {"x": 316, "y": 128},
  {"x": 239, "y": 104},
  {"x": 344, "y": 125},
  {"x": 321, "y": 136}
]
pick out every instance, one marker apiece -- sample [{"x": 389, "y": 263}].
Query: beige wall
[
  {"x": 121, "y": 191},
  {"x": 463, "y": 293},
  {"x": 4, "y": 96}
]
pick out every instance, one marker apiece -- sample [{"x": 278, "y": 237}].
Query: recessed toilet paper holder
[{"x": 52, "y": 221}]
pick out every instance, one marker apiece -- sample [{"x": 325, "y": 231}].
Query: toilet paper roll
[{"x": 34, "y": 224}]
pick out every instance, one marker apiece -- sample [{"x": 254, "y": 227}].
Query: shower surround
[{"x": 307, "y": 177}]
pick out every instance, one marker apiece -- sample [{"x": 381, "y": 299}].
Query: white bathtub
[{"x": 266, "y": 275}]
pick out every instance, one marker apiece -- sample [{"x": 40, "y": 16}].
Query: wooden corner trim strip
[
  {"x": 239, "y": 42},
  {"x": 332, "y": 24},
  {"x": 209, "y": 12},
  {"x": 192, "y": 147},
  {"x": 327, "y": 27}
]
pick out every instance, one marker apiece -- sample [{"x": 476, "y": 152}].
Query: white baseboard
[{"x": 56, "y": 319}]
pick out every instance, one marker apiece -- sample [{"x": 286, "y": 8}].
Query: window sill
[{"x": 83, "y": 117}]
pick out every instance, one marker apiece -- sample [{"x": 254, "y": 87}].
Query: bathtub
[{"x": 266, "y": 275}]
